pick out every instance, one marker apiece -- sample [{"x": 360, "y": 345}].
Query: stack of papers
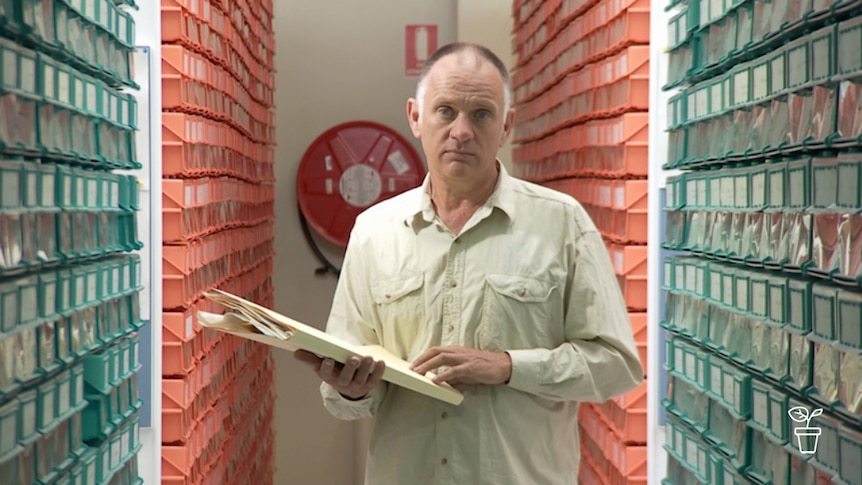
[{"x": 254, "y": 322}]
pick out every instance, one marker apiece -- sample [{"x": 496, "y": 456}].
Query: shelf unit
[
  {"x": 217, "y": 123},
  {"x": 763, "y": 294},
  {"x": 69, "y": 281},
  {"x": 582, "y": 89}
]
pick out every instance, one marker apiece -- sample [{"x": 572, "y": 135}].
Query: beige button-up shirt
[{"x": 529, "y": 275}]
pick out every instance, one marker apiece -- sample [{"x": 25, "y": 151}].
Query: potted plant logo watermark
[{"x": 806, "y": 437}]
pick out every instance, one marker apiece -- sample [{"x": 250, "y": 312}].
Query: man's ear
[
  {"x": 508, "y": 123},
  {"x": 413, "y": 116}
]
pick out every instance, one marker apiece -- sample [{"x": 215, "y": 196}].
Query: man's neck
[{"x": 455, "y": 204}]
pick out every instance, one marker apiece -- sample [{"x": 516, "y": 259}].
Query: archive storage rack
[
  {"x": 581, "y": 88},
  {"x": 218, "y": 230},
  {"x": 68, "y": 281},
  {"x": 763, "y": 305}
]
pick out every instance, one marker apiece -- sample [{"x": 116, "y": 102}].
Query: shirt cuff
[
  {"x": 542, "y": 372},
  {"x": 527, "y": 366},
  {"x": 349, "y": 409}
]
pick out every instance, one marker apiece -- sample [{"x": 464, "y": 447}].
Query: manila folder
[{"x": 254, "y": 322}]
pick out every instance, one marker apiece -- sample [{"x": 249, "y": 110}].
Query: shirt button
[
  {"x": 444, "y": 415},
  {"x": 453, "y": 283},
  {"x": 450, "y": 328},
  {"x": 457, "y": 240},
  {"x": 443, "y": 461}
]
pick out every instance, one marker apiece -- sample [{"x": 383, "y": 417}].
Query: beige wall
[
  {"x": 489, "y": 22},
  {"x": 337, "y": 61}
]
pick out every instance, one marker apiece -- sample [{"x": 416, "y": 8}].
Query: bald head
[{"x": 467, "y": 52}]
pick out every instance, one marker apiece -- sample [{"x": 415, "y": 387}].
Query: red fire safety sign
[{"x": 419, "y": 43}]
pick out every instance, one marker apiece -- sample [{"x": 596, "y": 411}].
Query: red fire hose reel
[{"x": 349, "y": 168}]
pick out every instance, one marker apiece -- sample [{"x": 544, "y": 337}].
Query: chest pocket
[
  {"x": 519, "y": 312},
  {"x": 400, "y": 307}
]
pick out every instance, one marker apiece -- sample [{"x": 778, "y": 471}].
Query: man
[{"x": 501, "y": 287}]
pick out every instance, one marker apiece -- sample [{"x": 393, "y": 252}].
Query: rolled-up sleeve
[{"x": 599, "y": 359}]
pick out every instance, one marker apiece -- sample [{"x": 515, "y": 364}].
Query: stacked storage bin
[
  {"x": 764, "y": 347},
  {"x": 218, "y": 230},
  {"x": 581, "y": 89},
  {"x": 69, "y": 309}
]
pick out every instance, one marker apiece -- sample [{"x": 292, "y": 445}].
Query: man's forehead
[
  {"x": 455, "y": 68},
  {"x": 467, "y": 58}
]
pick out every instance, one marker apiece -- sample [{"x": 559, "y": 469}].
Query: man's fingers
[
  {"x": 452, "y": 375},
  {"x": 307, "y": 358},
  {"x": 377, "y": 373},
  {"x": 436, "y": 362},
  {"x": 328, "y": 370},
  {"x": 425, "y": 357},
  {"x": 347, "y": 373},
  {"x": 363, "y": 371},
  {"x": 355, "y": 377}
]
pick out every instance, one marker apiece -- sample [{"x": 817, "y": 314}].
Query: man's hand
[
  {"x": 465, "y": 365},
  {"x": 353, "y": 380}
]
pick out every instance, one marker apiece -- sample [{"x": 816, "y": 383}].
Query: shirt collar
[{"x": 501, "y": 198}]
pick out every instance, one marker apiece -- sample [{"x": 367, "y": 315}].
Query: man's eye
[
  {"x": 445, "y": 111},
  {"x": 483, "y": 114}
]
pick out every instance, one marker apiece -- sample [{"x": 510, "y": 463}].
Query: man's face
[{"x": 461, "y": 123}]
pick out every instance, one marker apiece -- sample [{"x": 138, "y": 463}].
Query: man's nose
[{"x": 462, "y": 129}]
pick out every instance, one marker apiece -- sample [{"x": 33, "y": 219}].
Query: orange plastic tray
[
  {"x": 602, "y": 31},
  {"x": 606, "y": 88},
  {"x": 630, "y": 129},
  {"x": 189, "y": 96},
  {"x": 623, "y": 195},
  {"x": 215, "y": 254},
  {"x": 179, "y": 465},
  {"x": 589, "y": 473},
  {"x": 628, "y": 415},
  {"x": 627, "y": 226},
  {"x": 190, "y": 193},
  {"x": 608, "y": 162},
  {"x": 603, "y": 102},
  {"x": 625, "y": 129},
  {"x": 177, "y": 358},
  {"x": 180, "y": 26},
  {"x": 181, "y": 159},
  {"x": 530, "y": 38},
  {"x": 617, "y": 207},
  {"x": 589, "y": 419},
  {"x": 631, "y": 63},
  {"x": 634, "y": 290},
  {"x": 245, "y": 31},
  {"x": 257, "y": 467},
  {"x": 628, "y": 260},
  {"x": 182, "y": 225},
  {"x": 191, "y": 411},
  {"x": 181, "y": 291},
  {"x": 240, "y": 242},
  {"x": 181, "y": 63},
  {"x": 182, "y": 328},
  {"x": 180, "y": 128},
  {"x": 628, "y": 460},
  {"x": 246, "y": 45},
  {"x": 594, "y": 455},
  {"x": 639, "y": 329},
  {"x": 617, "y": 478}
]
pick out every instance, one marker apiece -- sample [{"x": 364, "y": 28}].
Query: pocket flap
[
  {"x": 521, "y": 288},
  {"x": 391, "y": 289}
]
